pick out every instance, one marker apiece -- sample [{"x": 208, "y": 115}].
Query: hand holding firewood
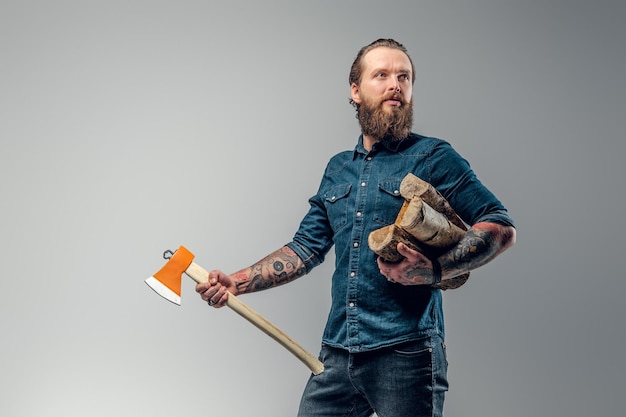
[{"x": 426, "y": 225}]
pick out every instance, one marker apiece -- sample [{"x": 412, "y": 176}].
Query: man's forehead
[{"x": 384, "y": 56}]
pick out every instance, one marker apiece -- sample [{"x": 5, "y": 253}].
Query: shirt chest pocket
[
  {"x": 388, "y": 201},
  {"x": 336, "y": 202}
]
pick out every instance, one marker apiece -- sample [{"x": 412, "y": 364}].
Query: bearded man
[{"x": 383, "y": 344}]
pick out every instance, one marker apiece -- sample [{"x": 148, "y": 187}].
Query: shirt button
[
  {"x": 351, "y": 305},
  {"x": 355, "y": 244},
  {"x": 359, "y": 214},
  {"x": 395, "y": 192},
  {"x": 333, "y": 198},
  {"x": 369, "y": 158},
  {"x": 352, "y": 273},
  {"x": 363, "y": 184}
]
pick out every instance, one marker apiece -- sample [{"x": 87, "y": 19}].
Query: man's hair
[{"x": 356, "y": 71}]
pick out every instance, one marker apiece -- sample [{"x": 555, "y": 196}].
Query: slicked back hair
[{"x": 356, "y": 71}]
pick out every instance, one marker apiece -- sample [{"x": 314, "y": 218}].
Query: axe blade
[
  {"x": 162, "y": 290},
  {"x": 168, "y": 281}
]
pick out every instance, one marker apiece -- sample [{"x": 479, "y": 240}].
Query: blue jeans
[{"x": 404, "y": 380}]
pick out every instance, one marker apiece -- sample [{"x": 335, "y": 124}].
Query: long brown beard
[{"x": 379, "y": 124}]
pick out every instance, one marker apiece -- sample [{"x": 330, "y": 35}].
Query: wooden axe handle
[{"x": 199, "y": 274}]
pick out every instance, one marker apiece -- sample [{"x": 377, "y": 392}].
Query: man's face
[{"x": 384, "y": 95}]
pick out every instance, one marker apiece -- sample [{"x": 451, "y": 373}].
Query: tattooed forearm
[
  {"x": 275, "y": 269},
  {"x": 481, "y": 244},
  {"x": 476, "y": 242}
]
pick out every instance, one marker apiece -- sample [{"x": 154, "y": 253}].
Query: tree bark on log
[
  {"x": 429, "y": 226},
  {"x": 412, "y": 186},
  {"x": 384, "y": 242}
]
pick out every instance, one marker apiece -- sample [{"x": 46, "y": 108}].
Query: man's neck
[{"x": 369, "y": 141}]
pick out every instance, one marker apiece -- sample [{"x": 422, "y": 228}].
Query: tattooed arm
[
  {"x": 280, "y": 267},
  {"x": 277, "y": 268},
  {"x": 481, "y": 244}
]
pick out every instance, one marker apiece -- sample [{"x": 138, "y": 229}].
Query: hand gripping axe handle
[{"x": 167, "y": 283}]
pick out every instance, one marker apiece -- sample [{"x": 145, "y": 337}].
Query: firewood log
[
  {"x": 412, "y": 186},
  {"x": 426, "y": 223}
]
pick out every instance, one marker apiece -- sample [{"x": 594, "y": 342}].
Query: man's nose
[{"x": 394, "y": 85}]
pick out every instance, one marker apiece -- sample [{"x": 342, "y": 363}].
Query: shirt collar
[
  {"x": 359, "y": 149},
  {"x": 390, "y": 146}
]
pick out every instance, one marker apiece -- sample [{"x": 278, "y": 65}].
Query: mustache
[{"x": 393, "y": 96}]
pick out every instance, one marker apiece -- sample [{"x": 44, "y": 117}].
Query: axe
[{"x": 167, "y": 283}]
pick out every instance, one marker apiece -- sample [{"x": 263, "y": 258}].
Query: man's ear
[{"x": 355, "y": 93}]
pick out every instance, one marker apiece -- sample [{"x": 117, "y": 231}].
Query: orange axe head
[{"x": 167, "y": 282}]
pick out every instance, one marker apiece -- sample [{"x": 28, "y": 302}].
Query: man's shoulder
[
  {"x": 418, "y": 137},
  {"x": 340, "y": 159},
  {"x": 347, "y": 154},
  {"x": 422, "y": 143}
]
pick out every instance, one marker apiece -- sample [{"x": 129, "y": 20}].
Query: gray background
[{"x": 132, "y": 127}]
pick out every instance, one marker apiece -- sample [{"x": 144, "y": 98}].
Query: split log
[
  {"x": 426, "y": 223},
  {"x": 429, "y": 226},
  {"x": 384, "y": 242},
  {"x": 419, "y": 227},
  {"x": 412, "y": 186}
]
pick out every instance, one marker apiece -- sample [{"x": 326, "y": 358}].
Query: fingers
[
  {"x": 214, "y": 276},
  {"x": 212, "y": 291},
  {"x": 214, "y": 296},
  {"x": 414, "y": 269},
  {"x": 385, "y": 268},
  {"x": 219, "y": 299},
  {"x": 406, "y": 251}
]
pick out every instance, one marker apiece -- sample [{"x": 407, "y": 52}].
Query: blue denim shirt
[{"x": 360, "y": 192}]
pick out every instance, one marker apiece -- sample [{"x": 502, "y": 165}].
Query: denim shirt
[{"x": 360, "y": 192}]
